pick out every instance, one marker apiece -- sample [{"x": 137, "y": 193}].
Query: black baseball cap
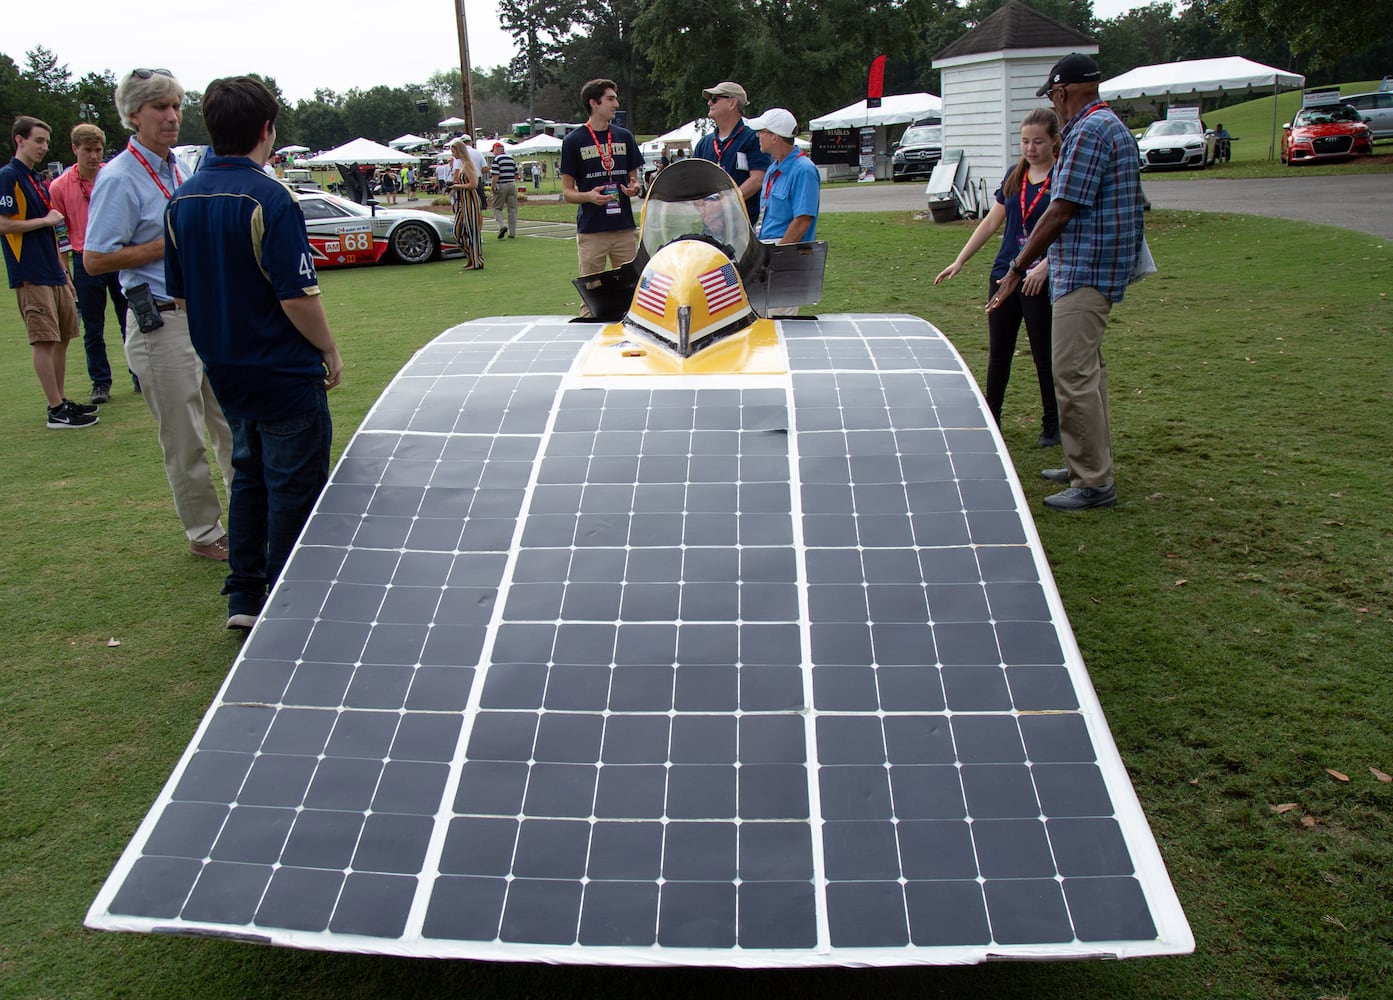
[{"x": 1073, "y": 68}]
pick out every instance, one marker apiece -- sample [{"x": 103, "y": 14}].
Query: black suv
[{"x": 918, "y": 152}]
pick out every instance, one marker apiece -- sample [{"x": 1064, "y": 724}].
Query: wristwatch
[{"x": 1020, "y": 271}]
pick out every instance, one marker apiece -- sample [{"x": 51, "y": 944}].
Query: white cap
[{"x": 780, "y": 121}]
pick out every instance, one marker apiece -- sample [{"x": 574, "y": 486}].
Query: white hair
[{"x": 133, "y": 93}]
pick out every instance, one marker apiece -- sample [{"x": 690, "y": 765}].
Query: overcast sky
[{"x": 339, "y": 44}]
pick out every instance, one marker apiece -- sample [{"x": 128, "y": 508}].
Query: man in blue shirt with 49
[{"x": 237, "y": 254}]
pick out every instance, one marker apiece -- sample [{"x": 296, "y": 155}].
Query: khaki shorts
[{"x": 49, "y": 311}]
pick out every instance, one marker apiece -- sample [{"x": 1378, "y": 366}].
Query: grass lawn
[{"x": 1235, "y": 612}]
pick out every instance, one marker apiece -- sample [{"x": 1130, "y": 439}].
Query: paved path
[{"x": 1362, "y": 202}]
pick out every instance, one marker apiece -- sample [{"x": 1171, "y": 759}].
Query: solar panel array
[{"x": 737, "y": 670}]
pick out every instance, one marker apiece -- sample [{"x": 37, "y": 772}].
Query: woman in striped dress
[{"x": 469, "y": 221}]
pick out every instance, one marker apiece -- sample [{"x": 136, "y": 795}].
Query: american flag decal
[
  {"x": 722, "y": 288},
  {"x": 652, "y": 292}
]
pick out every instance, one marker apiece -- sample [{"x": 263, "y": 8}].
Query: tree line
[
  {"x": 810, "y": 56},
  {"x": 45, "y": 88}
]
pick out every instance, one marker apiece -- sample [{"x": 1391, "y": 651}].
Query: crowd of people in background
[{"x": 226, "y": 341}]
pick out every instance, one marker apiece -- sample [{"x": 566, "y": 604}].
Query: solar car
[{"x": 679, "y": 636}]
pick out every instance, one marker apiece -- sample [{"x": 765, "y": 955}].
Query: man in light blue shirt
[
  {"x": 792, "y": 185},
  {"x": 125, "y": 233}
]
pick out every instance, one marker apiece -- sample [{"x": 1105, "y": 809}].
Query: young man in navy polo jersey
[
  {"x": 237, "y": 255},
  {"x": 47, "y": 301}
]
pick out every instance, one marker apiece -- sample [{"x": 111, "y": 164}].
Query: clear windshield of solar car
[{"x": 696, "y": 198}]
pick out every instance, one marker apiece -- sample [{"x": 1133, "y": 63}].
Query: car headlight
[
  {"x": 1193, "y": 144},
  {"x": 898, "y": 157}
]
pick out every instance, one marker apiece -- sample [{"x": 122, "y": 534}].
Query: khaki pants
[
  {"x": 618, "y": 247},
  {"x": 505, "y": 196},
  {"x": 1081, "y": 386},
  {"x": 176, "y": 390}
]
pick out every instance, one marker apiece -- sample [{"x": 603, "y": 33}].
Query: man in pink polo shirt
[{"x": 72, "y": 195}]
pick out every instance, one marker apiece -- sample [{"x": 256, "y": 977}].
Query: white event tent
[
  {"x": 409, "y": 141},
  {"x": 687, "y": 134},
  {"x": 362, "y": 150},
  {"x": 451, "y": 122},
  {"x": 896, "y": 109},
  {"x": 541, "y": 143},
  {"x": 1201, "y": 78}
]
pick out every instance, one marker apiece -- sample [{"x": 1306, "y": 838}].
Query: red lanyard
[
  {"x": 770, "y": 182},
  {"x": 1101, "y": 105},
  {"x": 715, "y": 140},
  {"x": 41, "y": 189},
  {"x": 1025, "y": 212},
  {"x": 607, "y": 150},
  {"x": 151, "y": 171}
]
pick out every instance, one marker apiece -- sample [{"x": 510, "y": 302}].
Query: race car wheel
[{"x": 413, "y": 243}]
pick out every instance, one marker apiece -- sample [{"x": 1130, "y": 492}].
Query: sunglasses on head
[{"x": 145, "y": 74}]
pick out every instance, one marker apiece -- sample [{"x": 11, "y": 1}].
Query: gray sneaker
[
  {"x": 1060, "y": 476},
  {"x": 101, "y": 394},
  {"x": 1083, "y": 498}
]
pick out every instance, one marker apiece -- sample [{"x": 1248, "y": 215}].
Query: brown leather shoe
[{"x": 216, "y": 550}]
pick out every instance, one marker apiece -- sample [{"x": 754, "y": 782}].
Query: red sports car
[{"x": 1327, "y": 132}]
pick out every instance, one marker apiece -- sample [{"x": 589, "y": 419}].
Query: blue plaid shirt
[{"x": 1099, "y": 171}]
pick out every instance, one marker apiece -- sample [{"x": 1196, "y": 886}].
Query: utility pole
[{"x": 465, "y": 82}]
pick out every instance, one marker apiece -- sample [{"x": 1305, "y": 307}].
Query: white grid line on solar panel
[
  {"x": 573, "y": 550},
  {"x": 431, "y": 862},
  {"x": 848, "y": 952}
]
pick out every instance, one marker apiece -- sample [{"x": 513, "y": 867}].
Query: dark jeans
[
  {"x": 1002, "y": 327},
  {"x": 279, "y": 468},
  {"x": 92, "y": 290}
]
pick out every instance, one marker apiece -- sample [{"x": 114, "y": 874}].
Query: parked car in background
[
  {"x": 917, "y": 153},
  {"x": 1376, "y": 109},
  {"x": 343, "y": 233},
  {"x": 1326, "y": 132},
  {"x": 300, "y": 179},
  {"x": 1176, "y": 142}
]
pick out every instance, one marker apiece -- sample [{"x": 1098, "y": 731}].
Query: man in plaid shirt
[{"x": 1093, "y": 229}]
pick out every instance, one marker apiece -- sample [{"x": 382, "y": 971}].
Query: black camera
[{"x": 142, "y": 303}]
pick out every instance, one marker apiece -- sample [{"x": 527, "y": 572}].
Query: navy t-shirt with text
[{"x": 582, "y": 159}]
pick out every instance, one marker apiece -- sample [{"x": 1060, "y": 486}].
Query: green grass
[{"x": 1235, "y": 612}]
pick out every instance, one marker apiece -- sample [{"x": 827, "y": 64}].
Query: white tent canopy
[
  {"x": 1202, "y": 78},
  {"x": 1198, "y": 78},
  {"x": 450, "y": 122},
  {"x": 896, "y": 109},
  {"x": 541, "y": 143},
  {"x": 408, "y": 140},
  {"x": 293, "y": 149},
  {"x": 688, "y": 133},
  {"x": 362, "y": 150}
]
